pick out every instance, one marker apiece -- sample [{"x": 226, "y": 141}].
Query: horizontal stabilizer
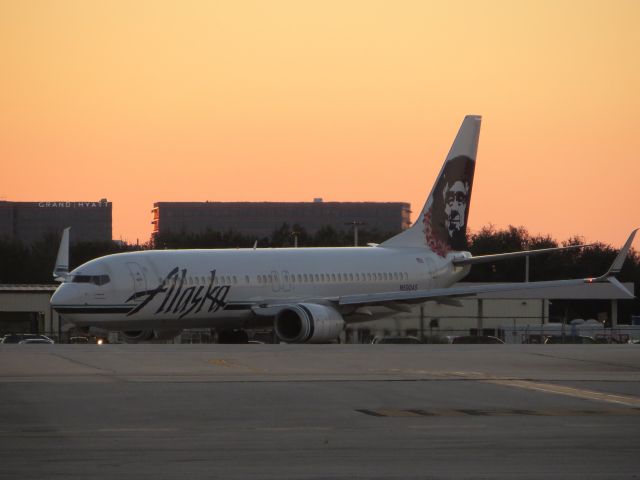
[{"x": 512, "y": 255}]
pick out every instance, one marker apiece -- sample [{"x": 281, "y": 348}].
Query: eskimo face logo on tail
[
  {"x": 176, "y": 300},
  {"x": 445, "y": 220}
]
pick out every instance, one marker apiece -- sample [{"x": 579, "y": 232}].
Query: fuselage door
[
  {"x": 286, "y": 281},
  {"x": 275, "y": 285},
  {"x": 430, "y": 271},
  {"x": 139, "y": 280}
]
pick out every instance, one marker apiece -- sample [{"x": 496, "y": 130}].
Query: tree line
[{"x": 34, "y": 263}]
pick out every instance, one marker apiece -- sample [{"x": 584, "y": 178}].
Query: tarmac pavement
[{"x": 319, "y": 411}]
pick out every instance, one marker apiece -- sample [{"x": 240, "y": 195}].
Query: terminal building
[
  {"x": 519, "y": 316},
  {"x": 262, "y": 218},
  {"x": 29, "y": 222}
]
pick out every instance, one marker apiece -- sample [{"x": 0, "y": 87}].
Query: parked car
[
  {"x": 476, "y": 339},
  {"x": 37, "y": 341},
  {"x": 19, "y": 337},
  {"x": 78, "y": 340},
  {"x": 399, "y": 340}
]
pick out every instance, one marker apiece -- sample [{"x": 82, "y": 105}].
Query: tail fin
[
  {"x": 61, "y": 270},
  {"x": 442, "y": 223}
]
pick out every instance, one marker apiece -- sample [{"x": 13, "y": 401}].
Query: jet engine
[
  {"x": 136, "y": 336},
  {"x": 308, "y": 323}
]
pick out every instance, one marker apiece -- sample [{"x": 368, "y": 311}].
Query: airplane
[{"x": 307, "y": 295}]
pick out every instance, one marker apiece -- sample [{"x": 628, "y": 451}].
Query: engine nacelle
[
  {"x": 136, "y": 336},
  {"x": 308, "y": 323}
]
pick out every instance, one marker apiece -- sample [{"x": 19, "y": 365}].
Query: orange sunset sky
[{"x": 144, "y": 101}]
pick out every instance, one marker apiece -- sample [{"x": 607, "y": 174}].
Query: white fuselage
[{"x": 217, "y": 288}]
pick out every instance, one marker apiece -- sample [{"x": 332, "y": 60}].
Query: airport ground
[{"x": 319, "y": 411}]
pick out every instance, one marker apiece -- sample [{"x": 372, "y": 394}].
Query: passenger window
[
  {"x": 333, "y": 277},
  {"x": 317, "y": 277},
  {"x": 351, "y": 277},
  {"x": 235, "y": 280},
  {"x": 306, "y": 279}
]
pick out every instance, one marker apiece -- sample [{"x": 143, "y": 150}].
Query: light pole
[{"x": 355, "y": 224}]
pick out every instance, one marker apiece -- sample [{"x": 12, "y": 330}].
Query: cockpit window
[{"x": 95, "y": 279}]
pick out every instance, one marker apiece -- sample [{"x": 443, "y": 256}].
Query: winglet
[
  {"x": 616, "y": 266},
  {"x": 61, "y": 269}
]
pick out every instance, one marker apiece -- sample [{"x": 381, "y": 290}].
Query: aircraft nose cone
[{"x": 60, "y": 296}]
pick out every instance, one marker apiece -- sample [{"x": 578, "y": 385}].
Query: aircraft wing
[
  {"x": 462, "y": 291},
  {"x": 397, "y": 300},
  {"x": 471, "y": 290}
]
